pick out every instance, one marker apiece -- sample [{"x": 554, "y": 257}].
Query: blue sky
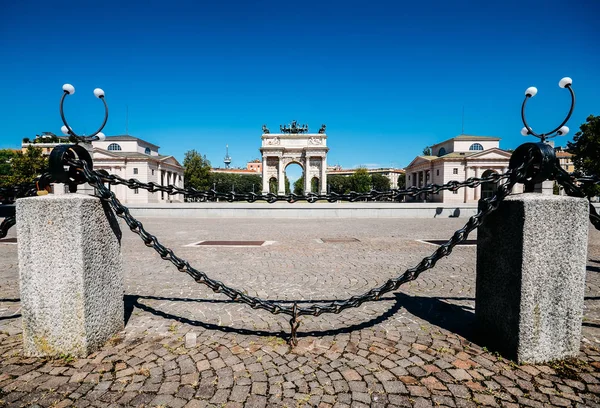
[{"x": 387, "y": 77}]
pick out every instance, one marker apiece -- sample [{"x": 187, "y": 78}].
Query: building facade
[
  {"x": 458, "y": 159},
  {"x": 131, "y": 157}
]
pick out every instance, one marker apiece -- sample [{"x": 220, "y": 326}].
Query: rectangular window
[
  {"x": 437, "y": 172},
  {"x": 455, "y": 192},
  {"x": 136, "y": 191},
  {"x": 153, "y": 172},
  {"x": 454, "y": 171},
  {"x": 135, "y": 170}
]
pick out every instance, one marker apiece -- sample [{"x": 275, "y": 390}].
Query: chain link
[
  {"x": 570, "y": 182},
  {"x": 213, "y": 195},
  {"x": 505, "y": 184}
]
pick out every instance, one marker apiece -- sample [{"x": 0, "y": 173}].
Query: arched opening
[
  {"x": 441, "y": 152},
  {"x": 273, "y": 185},
  {"x": 314, "y": 185},
  {"x": 476, "y": 146},
  {"x": 294, "y": 178},
  {"x": 488, "y": 189},
  {"x": 114, "y": 147}
]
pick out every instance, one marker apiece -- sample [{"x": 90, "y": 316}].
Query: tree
[
  {"x": 299, "y": 186},
  {"x": 586, "y": 151},
  {"x": 402, "y": 181},
  {"x": 196, "y": 171},
  {"x": 339, "y": 184},
  {"x": 240, "y": 183},
  {"x": 24, "y": 167},
  {"x": 6, "y": 155},
  {"x": 360, "y": 181},
  {"x": 427, "y": 151},
  {"x": 380, "y": 182}
]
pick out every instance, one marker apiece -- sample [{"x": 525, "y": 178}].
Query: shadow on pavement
[{"x": 457, "y": 319}]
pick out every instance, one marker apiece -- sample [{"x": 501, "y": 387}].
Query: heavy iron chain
[
  {"x": 486, "y": 206},
  {"x": 569, "y": 182},
  {"x": 6, "y": 224},
  {"x": 212, "y": 195}
]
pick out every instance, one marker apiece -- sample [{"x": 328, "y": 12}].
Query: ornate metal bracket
[
  {"x": 543, "y": 163},
  {"x": 68, "y": 130},
  {"x": 561, "y": 129},
  {"x": 62, "y": 171}
]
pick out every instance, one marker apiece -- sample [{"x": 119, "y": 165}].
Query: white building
[
  {"x": 458, "y": 159},
  {"x": 131, "y": 157}
]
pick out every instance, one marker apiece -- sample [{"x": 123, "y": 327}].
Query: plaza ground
[{"x": 416, "y": 347}]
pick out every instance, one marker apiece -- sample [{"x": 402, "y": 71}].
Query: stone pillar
[
  {"x": 324, "y": 175},
  {"x": 307, "y": 175},
  {"x": 71, "y": 274},
  {"x": 465, "y": 190},
  {"x": 476, "y": 190},
  {"x": 280, "y": 178},
  {"x": 265, "y": 176},
  {"x": 531, "y": 265}
]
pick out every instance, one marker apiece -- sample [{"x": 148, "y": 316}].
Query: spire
[{"x": 227, "y": 159}]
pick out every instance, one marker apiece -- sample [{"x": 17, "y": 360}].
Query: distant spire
[{"x": 227, "y": 159}]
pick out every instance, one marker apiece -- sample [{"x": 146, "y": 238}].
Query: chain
[
  {"x": 487, "y": 205},
  {"x": 569, "y": 180},
  {"x": 6, "y": 224},
  {"x": 213, "y": 195}
]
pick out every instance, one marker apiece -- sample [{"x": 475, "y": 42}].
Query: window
[
  {"x": 147, "y": 151},
  {"x": 136, "y": 191},
  {"x": 455, "y": 171},
  {"x": 135, "y": 170},
  {"x": 114, "y": 146},
  {"x": 476, "y": 146},
  {"x": 441, "y": 152},
  {"x": 153, "y": 172},
  {"x": 455, "y": 192},
  {"x": 437, "y": 172}
]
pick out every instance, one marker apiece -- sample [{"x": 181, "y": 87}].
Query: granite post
[
  {"x": 531, "y": 265},
  {"x": 71, "y": 274}
]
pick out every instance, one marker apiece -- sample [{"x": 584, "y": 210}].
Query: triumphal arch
[{"x": 294, "y": 144}]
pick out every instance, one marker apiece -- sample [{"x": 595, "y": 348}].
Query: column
[
  {"x": 531, "y": 266},
  {"x": 307, "y": 175},
  {"x": 71, "y": 286},
  {"x": 466, "y": 190},
  {"x": 265, "y": 176},
  {"x": 280, "y": 178},
  {"x": 476, "y": 190},
  {"x": 324, "y": 175}
]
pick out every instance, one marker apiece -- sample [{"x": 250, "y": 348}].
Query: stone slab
[
  {"x": 531, "y": 266},
  {"x": 71, "y": 275}
]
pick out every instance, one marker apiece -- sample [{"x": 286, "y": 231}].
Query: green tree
[
  {"x": 6, "y": 155},
  {"x": 586, "y": 151},
  {"x": 240, "y": 183},
  {"x": 380, "y": 182},
  {"x": 360, "y": 181},
  {"x": 402, "y": 181},
  {"x": 196, "y": 171},
  {"x": 339, "y": 184},
  {"x": 299, "y": 186},
  {"x": 427, "y": 151},
  {"x": 23, "y": 167}
]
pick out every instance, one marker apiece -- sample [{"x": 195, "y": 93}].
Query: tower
[{"x": 227, "y": 159}]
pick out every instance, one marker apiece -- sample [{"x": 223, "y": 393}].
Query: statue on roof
[
  {"x": 322, "y": 130},
  {"x": 265, "y": 129}
]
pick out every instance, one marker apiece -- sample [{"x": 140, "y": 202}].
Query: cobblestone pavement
[{"x": 186, "y": 346}]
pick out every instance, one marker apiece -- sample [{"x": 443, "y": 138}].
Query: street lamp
[
  {"x": 69, "y": 89},
  {"x": 561, "y": 129}
]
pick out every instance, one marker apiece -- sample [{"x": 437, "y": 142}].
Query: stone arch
[
  {"x": 294, "y": 145},
  {"x": 488, "y": 189},
  {"x": 315, "y": 185}
]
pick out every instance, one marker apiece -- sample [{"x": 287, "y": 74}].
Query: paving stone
[{"x": 422, "y": 355}]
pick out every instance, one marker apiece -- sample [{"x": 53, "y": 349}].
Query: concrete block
[
  {"x": 71, "y": 274},
  {"x": 531, "y": 263}
]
